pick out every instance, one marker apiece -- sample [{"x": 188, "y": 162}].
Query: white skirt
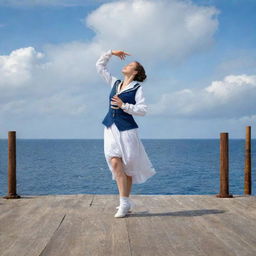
[{"x": 128, "y": 146}]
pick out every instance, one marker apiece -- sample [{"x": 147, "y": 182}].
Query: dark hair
[{"x": 141, "y": 75}]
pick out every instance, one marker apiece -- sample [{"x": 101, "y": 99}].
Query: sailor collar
[{"x": 131, "y": 86}]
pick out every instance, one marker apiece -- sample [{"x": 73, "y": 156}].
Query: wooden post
[
  {"x": 224, "y": 166},
  {"x": 11, "y": 166},
  {"x": 247, "y": 163}
]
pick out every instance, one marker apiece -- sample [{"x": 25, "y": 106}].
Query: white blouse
[{"x": 140, "y": 108}]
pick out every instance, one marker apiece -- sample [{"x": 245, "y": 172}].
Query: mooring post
[
  {"x": 11, "y": 166},
  {"x": 247, "y": 162},
  {"x": 224, "y": 166}
]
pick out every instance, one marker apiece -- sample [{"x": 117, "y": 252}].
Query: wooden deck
[{"x": 84, "y": 224}]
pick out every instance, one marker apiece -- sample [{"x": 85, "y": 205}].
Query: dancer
[{"x": 123, "y": 149}]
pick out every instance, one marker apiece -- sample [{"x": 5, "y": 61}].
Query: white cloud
[
  {"x": 61, "y": 105},
  {"x": 233, "y": 97},
  {"x": 47, "y": 83},
  {"x": 17, "y": 68},
  {"x": 61, "y": 80},
  {"x": 155, "y": 30}
]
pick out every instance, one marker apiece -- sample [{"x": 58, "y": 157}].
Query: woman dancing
[{"x": 123, "y": 149}]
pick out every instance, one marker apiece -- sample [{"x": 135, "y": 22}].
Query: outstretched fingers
[{"x": 122, "y": 55}]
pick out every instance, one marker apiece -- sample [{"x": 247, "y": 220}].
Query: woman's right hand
[{"x": 120, "y": 54}]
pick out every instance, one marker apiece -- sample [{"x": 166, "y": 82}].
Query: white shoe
[
  {"x": 131, "y": 206},
  {"x": 122, "y": 211}
]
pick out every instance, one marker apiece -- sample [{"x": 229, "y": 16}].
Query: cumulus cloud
[
  {"x": 17, "y": 68},
  {"x": 155, "y": 30},
  {"x": 45, "y": 83},
  {"x": 36, "y": 82},
  {"x": 233, "y": 97}
]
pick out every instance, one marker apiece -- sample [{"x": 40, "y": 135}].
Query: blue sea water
[{"x": 78, "y": 166}]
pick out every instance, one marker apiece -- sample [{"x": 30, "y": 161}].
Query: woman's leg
[
  {"x": 129, "y": 184},
  {"x": 121, "y": 177}
]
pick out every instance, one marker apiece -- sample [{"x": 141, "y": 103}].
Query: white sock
[
  {"x": 124, "y": 201},
  {"x": 130, "y": 201}
]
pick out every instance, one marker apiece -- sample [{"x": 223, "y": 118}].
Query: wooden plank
[
  {"x": 84, "y": 224},
  {"x": 19, "y": 226},
  {"x": 245, "y": 205},
  {"x": 91, "y": 231},
  {"x": 7, "y": 205},
  {"x": 203, "y": 239},
  {"x": 227, "y": 226},
  {"x": 27, "y": 230},
  {"x": 174, "y": 230},
  {"x": 146, "y": 236}
]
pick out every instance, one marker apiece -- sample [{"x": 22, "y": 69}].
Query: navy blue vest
[{"x": 123, "y": 120}]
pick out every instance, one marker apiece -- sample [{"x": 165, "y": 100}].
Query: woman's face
[{"x": 129, "y": 69}]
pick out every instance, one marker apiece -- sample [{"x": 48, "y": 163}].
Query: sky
[{"x": 199, "y": 57}]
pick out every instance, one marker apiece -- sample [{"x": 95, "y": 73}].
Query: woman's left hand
[{"x": 117, "y": 101}]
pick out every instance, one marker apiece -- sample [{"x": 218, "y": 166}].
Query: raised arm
[
  {"x": 140, "y": 108},
  {"x": 101, "y": 66}
]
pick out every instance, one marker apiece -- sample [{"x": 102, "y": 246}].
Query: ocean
[{"x": 78, "y": 166}]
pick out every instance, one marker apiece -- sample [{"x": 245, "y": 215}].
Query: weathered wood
[
  {"x": 11, "y": 166},
  {"x": 197, "y": 238},
  {"x": 90, "y": 231},
  {"x": 224, "y": 166},
  {"x": 247, "y": 163},
  {"x": 27, "y": 229},
  {"x": 232, "y": 229},
  {"x": 84, "y": 224}
]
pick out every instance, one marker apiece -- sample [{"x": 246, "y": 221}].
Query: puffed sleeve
[
  {"x": 101, "y": 67},
  {"x": 140, "y": 108}
]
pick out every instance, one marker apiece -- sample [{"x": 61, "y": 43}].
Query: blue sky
[{"x": 201, "y": 66}]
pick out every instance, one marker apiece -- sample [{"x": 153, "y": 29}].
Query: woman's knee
[{"x": 116, "y": 163}]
